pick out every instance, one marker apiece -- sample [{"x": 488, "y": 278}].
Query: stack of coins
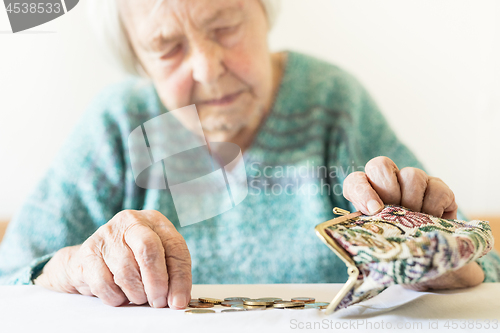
[
  {"x": 303, "y": 299},
  {"x": 210, "y": 300},
  {"x": 288, "y": 305},
  {"x": 236, "y": 304},
  {"x": 236, "y": 299},
  {"x": 197, "y": 304}
]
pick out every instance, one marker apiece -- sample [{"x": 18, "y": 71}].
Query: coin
[
  {"x": 210, "y": 300},
  {"x": 303, "y": 299},
  {"x": 248, "y": 307},
  {"x": 233, "y": 310},
  {"x": 284, "y": 305},
  {"x": 320, "y": 305},
  {"x": 236, "y": 298},
  {"x": 259, "y": 301},
  {"x": 198, "y": 304},
  {"x": 229, "y": 303},
  {"x": 196, "y": 311}
]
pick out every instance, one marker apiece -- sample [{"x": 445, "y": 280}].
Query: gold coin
[
  {"x": 303, "y": 299},
  {"x": 198, "y": 304},
  {"x": 259, "y": 301},
  {"x": 320, "y": 305},
  {"x": 196, "y": 311},
  {"x": 284, "y": 305},
  {"x": 210, "y": 300},
  {"x": 233, "y": 310},
  {"x": 236, "y": 298},
  {"x": 248, "y": 307}
]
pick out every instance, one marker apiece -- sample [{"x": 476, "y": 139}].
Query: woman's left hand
[{"x": 383, "y": 183}]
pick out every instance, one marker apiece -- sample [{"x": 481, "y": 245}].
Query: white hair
[{"x": 108, "y": 26}]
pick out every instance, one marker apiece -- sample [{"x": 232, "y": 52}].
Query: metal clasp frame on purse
[{"x": 352, "y": 270}]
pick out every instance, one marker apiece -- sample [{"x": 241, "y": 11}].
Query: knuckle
[
  {"x": 379, "y": 161},
  {"x": 437, "y": 179},
  {"x": 102, "y": 289},
  {"x": 148, "y": 253},
  {"x": 182, "y": 259},
  {"x": 410, "y": 172},
  {"x": 357, "y": 175},
  {"x": 127, "y": 276},
  {"x": 90, "y": 248},
  {"x": 153, "y": 213},
  {"x": 443, "y": 196},
  {"x": 177, "y": 241},
  {"x": 128, "y": 282},
  {"x": 106, "y": 228},
  {"x": 155, "y": 218},
  {"x": 414, "y": 176},
  {"x": 126, "y": 214},
  {"x": 125, "y": 217},
  {"x": 354, "y": 178}
]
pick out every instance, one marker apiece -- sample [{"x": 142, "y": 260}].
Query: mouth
[{"x": 228, "y": 99}]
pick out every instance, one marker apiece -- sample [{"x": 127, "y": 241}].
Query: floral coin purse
[{"x": 399, "y": 246}]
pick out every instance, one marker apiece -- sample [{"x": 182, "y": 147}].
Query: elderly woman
[{"x": 89, "y": 229}]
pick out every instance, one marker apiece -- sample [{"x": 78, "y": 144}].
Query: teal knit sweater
[{"x": 322, "y": 118}]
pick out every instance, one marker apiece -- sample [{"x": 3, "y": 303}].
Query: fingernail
[
  {"x": 373, "y": 206},
  {"x": 159, "y": 302},
  {"x": 180, "y": 301}
]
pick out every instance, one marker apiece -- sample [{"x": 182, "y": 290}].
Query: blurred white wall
[{"x": 432, "y": 66}]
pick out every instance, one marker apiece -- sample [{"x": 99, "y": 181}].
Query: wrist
[{"x": 58, "y": 272}]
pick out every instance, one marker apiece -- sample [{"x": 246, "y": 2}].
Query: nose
[{"x": 206, "y": 59}]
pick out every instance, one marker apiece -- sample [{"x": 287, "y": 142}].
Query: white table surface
[{"x": 34, "y": 309}]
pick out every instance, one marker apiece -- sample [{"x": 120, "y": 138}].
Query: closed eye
[
  {"x": 172, "y": 53},
  {"x": 227, "y": 30}
]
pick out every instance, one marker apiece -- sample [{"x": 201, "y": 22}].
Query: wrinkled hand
[
  {"x": 383, "y": 183},
  {"x": 138, "y": 256}
]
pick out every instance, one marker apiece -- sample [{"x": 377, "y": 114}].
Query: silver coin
[
  {"x": 233, "y": 310},
  {"x": 318, "y": 305},
  {"x": 258, "y": 301},
  {"x": 236, "y": 298}
]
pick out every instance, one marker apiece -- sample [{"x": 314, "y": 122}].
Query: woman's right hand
[{"x": 138, "y": 256}]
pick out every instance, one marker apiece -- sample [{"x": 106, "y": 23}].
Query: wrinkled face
[{"x": 211, "y": 53}]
